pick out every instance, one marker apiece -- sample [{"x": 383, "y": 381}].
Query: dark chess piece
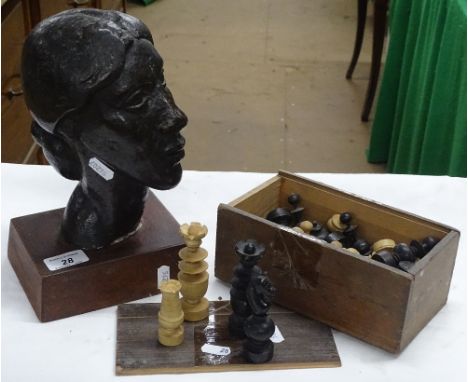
[
  {"x": 345, "y": 218},
  {"x": 362, "y": 246},
  {"x": 402, "y": 252},
  {"x": 334, "y": 236},
  {"x": 349, "y": 236},
  {"x": 280, "y": 216},
  {"x": 422, "y": 248},
  {"x": 319, "y": 231},
  {"x": 405, "y": 265},
  {"x": 103, "y": 115},
  {"x": 259, "y": 327},
  {"x": 296, "y": 213},
  {"x": 249, "y": 253},
  {"x": 386, "y": 257}
]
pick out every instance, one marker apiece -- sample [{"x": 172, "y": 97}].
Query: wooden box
[{"x": 379, "y": 304}]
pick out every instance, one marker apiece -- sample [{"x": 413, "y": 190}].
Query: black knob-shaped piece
[
  {"x": 345, "y": 218},
  {"x": 417, "y": 249},
  {"x": 428, "y": 243},
  {"x": 294, "y": 199},
  {"x": 334, "y": 236}
]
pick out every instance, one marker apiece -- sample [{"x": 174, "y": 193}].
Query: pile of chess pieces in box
[
  {"x": 340, "y": 231},
  {"x": 251, "y": 297}
]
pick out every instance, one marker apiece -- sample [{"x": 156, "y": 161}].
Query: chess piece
[
  {"x": 85, "y": 78},
  {"x": 349, "y": 236},
  {"x": 306, "y": 226},
  {"x": 280, "y": 216},
  {"x": 345, "y": 218},
  {"x": 405, "y": 265},
  {"x": 298, "y": 229},
  {"x": 402, "y": 252},
  {"x": 296, "y": 213},
  {"x": 259, "y": 327},
  {"x": 353, "y": 250},
  {"x": 336, "y": 224},
  {"x": 383, "y": 244},
  {"x": 171, "y": 315},
  {"x": 422, "y": 248},
  {"x": 386, "y": 257},
  {"x": 336, "y": 243},
  {"x": 319, "y": 231},
  {"x": 362, "y": 246},
  {"x": 249, "y": 253},
  {"x": 334, "y": 236},
  {"x": 193, "y": 275}
]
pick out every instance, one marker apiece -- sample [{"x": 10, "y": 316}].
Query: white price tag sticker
[
  {"x": 216, "y": 350},
  {"x": 65, "y": 260},
  {"x": 101, "y": 168},
  {"x": 164, "y": 274},
  {"x": 277, "y": 337}
]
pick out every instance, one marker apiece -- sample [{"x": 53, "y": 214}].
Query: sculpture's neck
[{"x": 105, "y": 206}]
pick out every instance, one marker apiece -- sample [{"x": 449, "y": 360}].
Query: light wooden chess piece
[
  {"x": 193, "y": 275},
  {"x": 171, "y": 315}
]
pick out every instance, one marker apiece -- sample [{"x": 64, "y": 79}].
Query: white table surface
[{"x": 82, "y": 348}]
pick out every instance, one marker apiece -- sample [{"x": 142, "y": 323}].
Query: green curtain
[{"x": 420, "y": 120}]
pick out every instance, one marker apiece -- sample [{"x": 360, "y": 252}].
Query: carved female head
[{"x": 94, "y": 84}]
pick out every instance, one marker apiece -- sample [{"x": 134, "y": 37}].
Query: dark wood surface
[
  {"x": 307, "y": 343},
  {"x": 123, "y": 272},
  {"x": 379, "y": 304}
]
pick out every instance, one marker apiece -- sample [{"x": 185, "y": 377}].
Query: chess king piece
[
  {"x": 193, "y": 275},
  {"x": 259, "y": 327},
  {"x": 171, "y": 315},
  {"x": 103, "y": 115},
  {"x": 249, "y": 253}
]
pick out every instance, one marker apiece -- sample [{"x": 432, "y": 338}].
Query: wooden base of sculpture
[{"x": 123, "y": 272}]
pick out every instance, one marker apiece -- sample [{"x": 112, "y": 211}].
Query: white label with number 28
[{"x": 65, "y": 260}]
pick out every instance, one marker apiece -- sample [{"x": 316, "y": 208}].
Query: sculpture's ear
[{"x": 58, "y": 152}]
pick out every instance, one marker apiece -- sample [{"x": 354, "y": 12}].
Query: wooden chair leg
[
  {"x": 361, "y": 23},
  {"x": 380, "y": 26}
]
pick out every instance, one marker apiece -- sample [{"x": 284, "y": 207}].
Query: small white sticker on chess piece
[
  {"x": 216, "y": 350},
  {"x": 277, "y": 337},
  {"x": 164, "y": 274}
]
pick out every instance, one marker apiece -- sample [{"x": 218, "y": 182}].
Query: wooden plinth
[
  {"x": 307, "y": 343},
  {"x": 120, "y": 273}
]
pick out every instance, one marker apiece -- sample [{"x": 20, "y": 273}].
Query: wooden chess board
[{"x": 307, "y": 343}]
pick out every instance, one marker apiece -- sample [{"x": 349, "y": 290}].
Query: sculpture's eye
[{"x": 138, "y": 99}]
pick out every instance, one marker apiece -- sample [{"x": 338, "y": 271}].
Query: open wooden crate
[{"x": 379, "y": 304}]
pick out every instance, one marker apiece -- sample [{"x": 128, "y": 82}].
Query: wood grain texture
[
  {"x": 369, "y": 300},
  {"x": 120, "y": 273},
  {"x": 307, "y": 343}
]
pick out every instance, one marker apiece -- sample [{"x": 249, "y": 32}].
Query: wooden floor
[{"x": 307, "y": 343}]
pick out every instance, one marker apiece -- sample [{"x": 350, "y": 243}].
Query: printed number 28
[{"x": 68, "y": 260}]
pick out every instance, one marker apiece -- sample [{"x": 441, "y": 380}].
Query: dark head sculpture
[{"x": 104, "y": 116}]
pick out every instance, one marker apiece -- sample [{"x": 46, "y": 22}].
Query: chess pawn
[
  {"x": 296, "y": 213},
  {"x": 280, "y": 216},
  {"x": 306, "y": 226},
  {"x": 298, "y": 229},
  {"x": 259, "y": 327},
  {"x": 193, "y": 275},
  {"x": 339, "y": 222},
  {"x": 171, "y": 315},
  {"x": 249, "y": 253},
  {"x": 383, "y": 244}
]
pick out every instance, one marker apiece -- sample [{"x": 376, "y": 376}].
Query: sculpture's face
[{"x": 139, "y": 129}]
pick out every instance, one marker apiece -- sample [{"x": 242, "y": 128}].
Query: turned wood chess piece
[
  {"x": 193, "y": 275},
  {"x": 259, "y": 327},
  {"x": 296, "y": 213},
  {"x": 171, "y": 315},
  {"x": 249, "y": 253}
]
